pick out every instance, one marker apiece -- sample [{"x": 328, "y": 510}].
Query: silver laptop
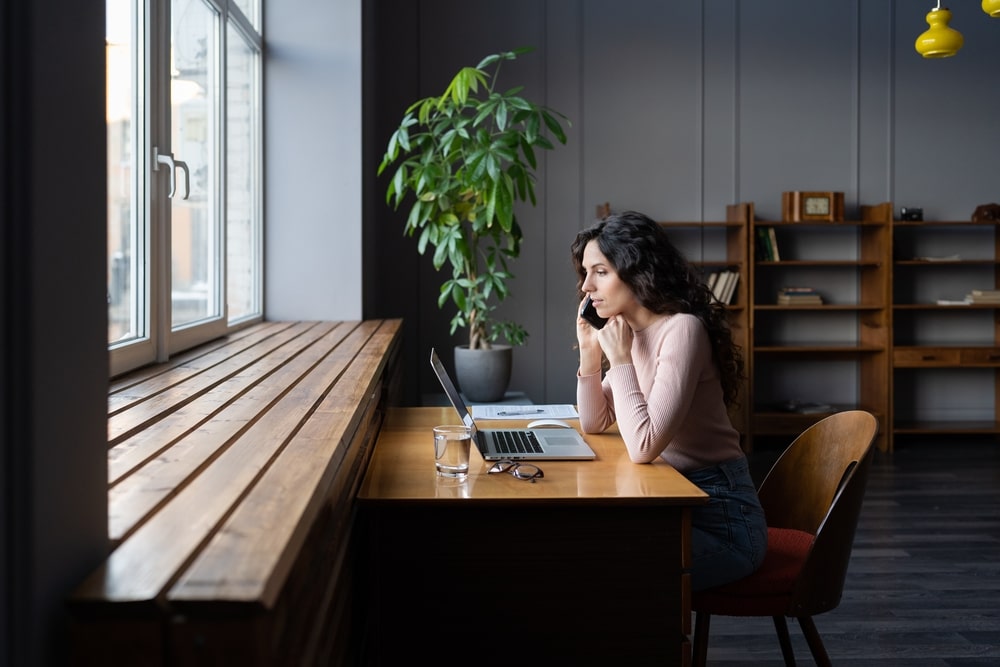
[{"x": 514, "y": 443}]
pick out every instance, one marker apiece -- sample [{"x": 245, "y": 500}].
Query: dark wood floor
[{"x": 923, "y": 587}]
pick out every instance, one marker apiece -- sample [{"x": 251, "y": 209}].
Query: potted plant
[{"x": 464, "y": 159}]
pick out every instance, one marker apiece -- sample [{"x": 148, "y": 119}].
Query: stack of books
[
  {"x": 798, "y": 296},
  {"x": 723, "y": 285},
  {"x": 983, "y": 296}
]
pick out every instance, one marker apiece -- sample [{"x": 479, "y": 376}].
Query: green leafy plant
[{"x": 466, "y": 157}]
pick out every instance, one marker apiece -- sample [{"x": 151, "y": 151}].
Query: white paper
[{"x": 524, "y": 412}]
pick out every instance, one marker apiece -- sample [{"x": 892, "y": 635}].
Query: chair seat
[{"x": 767, "y": 591}]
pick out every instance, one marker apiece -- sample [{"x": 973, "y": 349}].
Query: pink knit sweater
[{"x": 668, "y": 402}]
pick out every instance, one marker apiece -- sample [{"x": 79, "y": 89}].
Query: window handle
[{"x": 168, "y": 159}]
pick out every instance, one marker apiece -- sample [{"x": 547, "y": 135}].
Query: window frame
[{"x": 151, "y": 208}]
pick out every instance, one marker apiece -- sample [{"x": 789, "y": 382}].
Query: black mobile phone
[{"x": 589, "y": 313}]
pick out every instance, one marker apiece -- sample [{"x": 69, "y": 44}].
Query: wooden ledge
[{"x": 230, "y": 469}]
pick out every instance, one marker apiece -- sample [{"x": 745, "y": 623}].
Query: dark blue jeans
[{"x": 729, "y": 534}]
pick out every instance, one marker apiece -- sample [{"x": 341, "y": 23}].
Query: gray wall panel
[
  {"x": 565, "y": 211},
  {"x": 720, "y": 70},
  {"x": 797, "y": 100},
  {"x": 642, "y": 102},
  {"x": 875, "y": 100},
  {"x": 681, "y": 108}
]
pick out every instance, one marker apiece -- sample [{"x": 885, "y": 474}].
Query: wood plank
[
  {"x": 249, "y": 558},
  {"x": 258, "y": 470},
  {"x": 200, "y": 375},
  {"x": 193, "y": 441},
  {"x": 130, "y": 453},
  {"x": 153, "y": 556},
  {"x": 257, "y": 331}
]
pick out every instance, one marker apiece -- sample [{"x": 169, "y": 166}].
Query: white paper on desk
[{"x": 524, "y": 412}]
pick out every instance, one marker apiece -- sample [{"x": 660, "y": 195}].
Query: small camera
[{"x": 909, "y": 213}]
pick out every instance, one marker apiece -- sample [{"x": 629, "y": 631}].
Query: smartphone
[{"x": 589, "y": 313}]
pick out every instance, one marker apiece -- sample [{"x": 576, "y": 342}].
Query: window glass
[
  {"x": 126, "y": 311},
  {"x": 242, "y": 179},
  {"x": 194, "y": 228}
]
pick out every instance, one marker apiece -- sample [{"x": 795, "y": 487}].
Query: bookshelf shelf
[
  {"x": 785, "y": 263},
  {"x": 939, "y": 306},
  {"x": 817, "y": 306},
  {"x": 946, "y": 355},
  {"x": 946, "y": 262},
  {"x": 849, "y": 264},
  {"x": 956, "y": 427},
  {"x": 816, "y": 348}
]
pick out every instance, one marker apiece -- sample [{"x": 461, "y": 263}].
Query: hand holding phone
[{"x": 589, "y": 313}]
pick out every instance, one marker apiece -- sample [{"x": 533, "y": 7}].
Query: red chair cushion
[{"x": 767, "y": 591}]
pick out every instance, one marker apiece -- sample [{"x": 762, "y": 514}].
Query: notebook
[{"x": 514, "y": 443}]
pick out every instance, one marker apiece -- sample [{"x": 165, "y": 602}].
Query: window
[{"x": 184, "y": 174}]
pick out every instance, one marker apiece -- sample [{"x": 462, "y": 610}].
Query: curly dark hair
[{"x": 663, "y": 281}]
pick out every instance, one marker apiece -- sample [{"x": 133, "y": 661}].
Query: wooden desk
[{"x": 585, "y": 567}]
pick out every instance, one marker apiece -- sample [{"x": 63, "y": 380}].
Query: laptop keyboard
[{"x": 516, "y": 442}]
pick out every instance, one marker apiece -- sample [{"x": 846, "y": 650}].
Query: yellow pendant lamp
[
  {"x": 992, "y": 7},
  {"x": 940, "y": 41}
]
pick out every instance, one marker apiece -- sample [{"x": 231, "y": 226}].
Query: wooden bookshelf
[
  {"x": 946, "y": 353},
  {"x": 892, "y": 327},
  {"x": 797, "y": 350}
]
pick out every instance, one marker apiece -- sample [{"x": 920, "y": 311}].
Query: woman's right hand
[
  {"x": 590, "y": 346},
  {"x": 585, "y": 331}
]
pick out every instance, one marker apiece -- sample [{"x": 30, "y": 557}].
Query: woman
[{"x": 672, "y": 368}]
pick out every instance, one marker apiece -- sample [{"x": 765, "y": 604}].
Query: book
[
  {"x": 944, "y": 258},
  {"x": 789, "y": 296},
  {"x": 730, "y": 290},
  {"x": 760, "y": 249},
  {"x": 799, "y": 300},
  {"x": 718, "y": 291},
  {"x": 717, "y": 284},
  {"x": 764, "y": 252},
  {"x": 775, "y": 255},
  {"x": 983, "y": 296}
]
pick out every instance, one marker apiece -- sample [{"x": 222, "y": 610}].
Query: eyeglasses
[{"x": 525, "y": 471}]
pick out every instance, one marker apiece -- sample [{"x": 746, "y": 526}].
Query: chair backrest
[{"x": 817, "y": 485}]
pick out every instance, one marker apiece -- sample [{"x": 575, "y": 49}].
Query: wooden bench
[{"x": 232, "y": 475}]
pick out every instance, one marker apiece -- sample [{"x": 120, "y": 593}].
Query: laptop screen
[{"x": 453, "y": 395}]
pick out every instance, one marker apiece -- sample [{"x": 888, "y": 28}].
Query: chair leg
[
  {"x": 786, "y": 642},
  {"x": 701, "y": 622},
  {"x": 814, "y": 640}
]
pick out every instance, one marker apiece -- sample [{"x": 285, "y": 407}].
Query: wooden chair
[{"x": 812, "y": 498}]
